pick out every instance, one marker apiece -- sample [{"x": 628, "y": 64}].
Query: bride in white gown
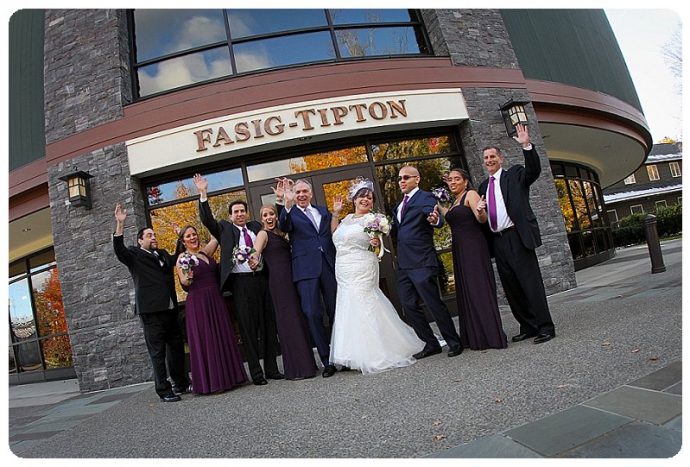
[{"x": 368, "y": 335}]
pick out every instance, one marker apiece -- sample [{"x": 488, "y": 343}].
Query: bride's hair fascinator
[{"x": 358, "y": 184}]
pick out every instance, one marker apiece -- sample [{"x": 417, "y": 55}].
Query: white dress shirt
[
  {"x": 243, "y": 267},
  {"x": 503, "y": 221}
]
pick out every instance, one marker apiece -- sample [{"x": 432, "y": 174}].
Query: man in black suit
[
  {"x": 155, "y": 302},
  {"x": 250, "y": 294},
  {"x": 515, "y": 235},
  {"x": 414, "y": 220}
]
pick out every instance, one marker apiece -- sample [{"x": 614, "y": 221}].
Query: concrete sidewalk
[{"x": 609, "y": 385}]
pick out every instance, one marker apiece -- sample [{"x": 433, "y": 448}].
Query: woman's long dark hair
[
  {"x": 179, "y": 246},
  {"x": 464, "y": 174}
]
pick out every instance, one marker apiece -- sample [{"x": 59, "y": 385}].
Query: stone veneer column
[
  {"x": 86, "y": 84},
  {"x": 479, "y": 38}
]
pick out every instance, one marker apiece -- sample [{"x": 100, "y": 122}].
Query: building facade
[
  {"x": 142, "y": 100},
  {"x": 655, "y": 184}
]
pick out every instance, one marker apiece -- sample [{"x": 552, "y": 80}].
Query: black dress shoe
[
  {"x": 170, "y": 397},
  {"x": 182, "y": 389},
  {"x": 427, "y": 353},
  {"x": 276, "y": 376},
  {"x": 522, "y": 336},
  {"x": 455, "y": 351},
  {"x": 543, "y": 337},
  {"x": 260, "y": 382},
  {"x": 329, "y": 371}
]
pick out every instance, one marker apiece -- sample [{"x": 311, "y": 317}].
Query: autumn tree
[{"x": 50, "y": 313}]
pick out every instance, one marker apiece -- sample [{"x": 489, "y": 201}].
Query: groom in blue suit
[
  {"x": 414, "y": 220},
  {"x": 313, "y": 261}
]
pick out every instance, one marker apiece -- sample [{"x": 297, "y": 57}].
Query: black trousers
[
  {"x": 523, "y": 285},
  {"x": 165, "y": 344},
  {"x": 257, "y": 323},
  {"x": 414, "y": 284}
]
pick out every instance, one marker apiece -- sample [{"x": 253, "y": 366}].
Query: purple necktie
[
  {"x": 493, "y": 219},
  {"x": 247, "y": 238},
  {"x": 404, "y": 207}
]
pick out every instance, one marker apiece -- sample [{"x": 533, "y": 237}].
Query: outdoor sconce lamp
[
  {"x": 78, "y": 188},
  {"x": 513, "y": 112}
]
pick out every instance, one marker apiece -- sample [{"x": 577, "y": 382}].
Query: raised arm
[
  {"x": 532, "y": 164},
  {"x": 205, "y": 212},
  {"x": 210, "y": 248},
  {"x": 121, "y": 251},
  {"x": 337, "y": 209}
]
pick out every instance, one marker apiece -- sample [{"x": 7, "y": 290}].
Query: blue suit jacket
[
  {"x": 414, "y": 235},
  {"x": 309, "y": 247}
]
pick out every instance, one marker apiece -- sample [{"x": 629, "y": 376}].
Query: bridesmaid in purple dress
[
  {"x": 213, "y": 352},
  {"x": 475, "y": 285},
  {"x": 293, "y": 334}
]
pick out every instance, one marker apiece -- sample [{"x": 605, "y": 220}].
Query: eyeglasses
[{"x": 406, "y": 177}]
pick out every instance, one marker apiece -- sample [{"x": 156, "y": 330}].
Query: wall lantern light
[
  {"x": 78, "y": 188},
  {"x": 513, "y": 112}
]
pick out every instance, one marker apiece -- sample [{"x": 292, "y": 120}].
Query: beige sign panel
[{"x": 292, "y": 125}]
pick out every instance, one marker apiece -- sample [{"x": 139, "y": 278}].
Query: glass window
[
  {"x": 13, "y": 361},
  {"x": 587, "y": 237},
  {"x": 580, "y": 203},
  {"x": 309, "y": 163},
  {"x": 245, "y": 23},
  {"x": 566, "y": 206},
  {"x": 162, "y": 32},
  {"x": 29, "y": 356},
  {"x": 281, "y": 51},
  {"x": 184, "y": 188},
  {"x": 574, "y": 240},
  {"x": 629, "y": 180},
  {"x": 660, "y": 204},
  {"x": 367, "y": 42},
  {"x": 42, "y": 260},
  {"x": 592, "y": 204},
  {"x": 16, "y": 269},
  {"x": 21, "y": 315},
  {"x": 411, "y": 148},
  {"x": 184, "y": 70},
  {"x": 57, "y": 352},
  {"x": 446, "y": 273},
  {"x": 652, "y": 172},
  {"x": 613, "y": 217},
  {"x": 351, "y": 16},
  {"x": 50, "y": 312},
  {"x": 636, "y": 209},
  {"x": 675, "y": 169}
]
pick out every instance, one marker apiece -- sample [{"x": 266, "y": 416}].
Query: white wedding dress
[{"x": 368, "y": 335}]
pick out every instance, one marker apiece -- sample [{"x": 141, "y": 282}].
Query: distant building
[{"x": 656, "y": 183}]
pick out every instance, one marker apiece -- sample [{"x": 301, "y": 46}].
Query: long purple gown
[
  {"x": 475, "y": 285},
  {"x": 293, "y": 334},
  {"x": 213, "y": 352}
]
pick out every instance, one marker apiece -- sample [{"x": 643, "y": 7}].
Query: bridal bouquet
[
  {"x": 187, "y": 260},
  {"x": 377, "y": 225},
  {"x": 442, "y": 195},
  {"x": 241, "y": 255}
]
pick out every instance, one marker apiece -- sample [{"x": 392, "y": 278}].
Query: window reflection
[
  {"x": 181, "y": 71},
  {"x": 21, "y": 316},
  {"x": 411, "y": 148},
  {"x": 350, "y": 16},
  {"x": 592, "y": 204},
  {"x": 309, "y": 163},
  {"x": 281, "y": 51},
  {"x": 162, "y": 32},
  {"x": 244, "y": 23},
  {"x": 29, "y": 356},
  {"x": 566, "y": 206},
  {"x": 368, "y": 42},
  {"x": 580, "y": 204},
  {"x": 57, "y": 352},
  {"x": 183, "y": 188},
  {"x": 50, "y": 312}
]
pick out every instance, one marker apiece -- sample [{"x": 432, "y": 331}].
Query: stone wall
[
  {"x": 87, "y": 83},
  {"x": 86, "y": 70},
  {"x": 98, "y": 296}
]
